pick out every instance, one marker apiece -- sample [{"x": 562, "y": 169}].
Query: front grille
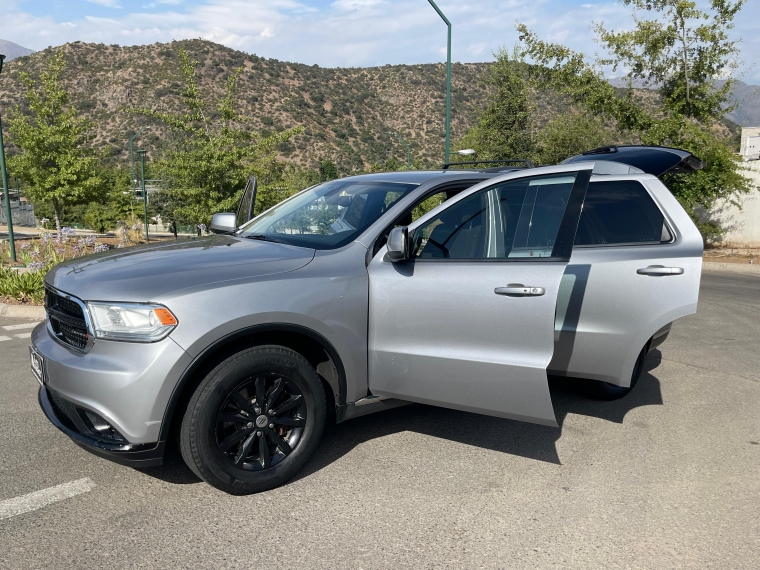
[
  {"x": 69, "y": 307},
  {"x": 66, "y": 319}
]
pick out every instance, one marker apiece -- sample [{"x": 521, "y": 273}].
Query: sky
[{"x": 344, "y": 33}]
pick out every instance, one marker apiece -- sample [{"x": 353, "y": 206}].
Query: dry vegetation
[{"x": 345, "y": 112}]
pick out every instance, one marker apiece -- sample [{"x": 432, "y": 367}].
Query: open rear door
[
  {"x": 468, "y": 322},
  {"x": 656, "y": 160}
]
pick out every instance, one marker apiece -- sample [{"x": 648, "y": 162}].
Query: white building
[
  {"x": 744, "y": 224},
  {"x": 750, "y": 145}
]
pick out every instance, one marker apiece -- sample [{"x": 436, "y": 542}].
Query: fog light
[{"x": 101, "y": 427}]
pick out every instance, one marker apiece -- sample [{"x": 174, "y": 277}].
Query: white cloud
[
  {"x": 172, "y": 2},
  {"x": 348, "y": 5},
  {"x": 96, "y": 20},
  {"x": 477, "y": 49},
  {"x": 267, "y": 33},
  {"x": 106, "y": 3}
]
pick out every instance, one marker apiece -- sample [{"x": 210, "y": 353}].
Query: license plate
[{"x": 37, "y": 364}]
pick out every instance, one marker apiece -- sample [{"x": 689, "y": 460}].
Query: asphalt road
[{"x": 664, "y": 478}]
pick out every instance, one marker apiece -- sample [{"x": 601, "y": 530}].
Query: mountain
[
  {"x": 346, "y": 113},
  {"x": 746, "y": 97},
  {"x": 12, "y": 51}
]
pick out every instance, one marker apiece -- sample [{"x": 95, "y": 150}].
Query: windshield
[{"x": 326, "y": 216}]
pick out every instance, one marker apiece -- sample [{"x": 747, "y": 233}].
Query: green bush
[
  {"x": 24, "y": 287},
  {"x": 99, "y": 218},
  {"x": 40, "y": 256}
]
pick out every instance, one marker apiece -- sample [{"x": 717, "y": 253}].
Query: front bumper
[
  {"x": 133, "y": 455},
  {"x": 128, "y": 385}
]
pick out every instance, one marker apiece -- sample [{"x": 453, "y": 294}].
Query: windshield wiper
[{"x": 264, "y": 237}]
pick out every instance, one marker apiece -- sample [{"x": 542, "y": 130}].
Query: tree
[
  {"x": 55, "y": 162},
  {"x": 114, "y": 201},
  {"x": 569, "y": 134},
  {"x": 504, "y": 129},
  {"x": 210, "y": 159},
  {"x": 327, "y": 170},
  {"x": 682, "y": 55}
]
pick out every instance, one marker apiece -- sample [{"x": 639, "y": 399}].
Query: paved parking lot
[{"x": 664, "y": 478}]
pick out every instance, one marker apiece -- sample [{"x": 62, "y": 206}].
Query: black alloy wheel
[
  {"x": 261, "y": 422},
  {"x": 254, "y": 420}
]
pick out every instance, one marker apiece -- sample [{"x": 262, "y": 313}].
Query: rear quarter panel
[{"x": 606, "y": 312}]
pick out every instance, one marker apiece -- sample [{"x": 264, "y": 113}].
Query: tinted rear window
[{"x": 620, "y": 212}]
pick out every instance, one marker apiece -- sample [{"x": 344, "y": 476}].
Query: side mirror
[
  {"x": 398, "y": 244},
  {"x": 224, "y": 223}
]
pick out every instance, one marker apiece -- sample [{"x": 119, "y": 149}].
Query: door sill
[{"x": 368, "y": 405}]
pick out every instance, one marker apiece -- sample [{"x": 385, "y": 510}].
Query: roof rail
[{"x": 525, "y": 162}]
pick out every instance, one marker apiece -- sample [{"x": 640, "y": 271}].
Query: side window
[
  {"x": 517, "y": 218},
  {"x": 428, "y": 204},
  {"x": 416, "y": 213},
  {"x": 620, "y": 212}
]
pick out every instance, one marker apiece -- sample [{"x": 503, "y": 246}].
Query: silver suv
[{"x": 456, "y": 288}]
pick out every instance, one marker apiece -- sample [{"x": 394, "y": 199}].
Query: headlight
[{"x": 131, "y": 321}]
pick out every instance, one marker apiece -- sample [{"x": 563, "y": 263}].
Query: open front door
[{"x": 468, "y": 322}]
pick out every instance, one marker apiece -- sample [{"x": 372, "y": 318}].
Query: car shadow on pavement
[
  {"x": 174, "y": 470},
  {"x": 506, "y": 436}
]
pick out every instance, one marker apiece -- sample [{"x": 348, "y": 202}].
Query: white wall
[
  {"x": 750, "y": 145},
  {"x": 744, "y": 224}
]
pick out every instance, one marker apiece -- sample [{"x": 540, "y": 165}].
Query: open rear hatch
[{"x": 656, "y": 160}]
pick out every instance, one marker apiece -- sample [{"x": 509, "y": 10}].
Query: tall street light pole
[
  {"x": 408, "y": 149},
  {"x": 131, "y": 154},
  {"x": 141, "y": 154},
  {"x": 6, "y": 187},
  {"x": 448, "y": 80}
]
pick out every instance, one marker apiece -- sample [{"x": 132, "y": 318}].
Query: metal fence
[{"x": 22, "y": 215}]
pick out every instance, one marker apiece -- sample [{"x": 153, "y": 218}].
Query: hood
[
  {"x": 147, "y": 272},
  {"x": 656, "y": 160}
]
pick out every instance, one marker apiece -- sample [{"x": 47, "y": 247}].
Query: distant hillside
[
  {"x": 747, "y": 98},
  {"x": 12, "y": 51},
  {"x": 747, "y": 114},
  {"x": 345, "y": 112}
]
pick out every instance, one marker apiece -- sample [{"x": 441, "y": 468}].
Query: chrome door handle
[
  {"x": 660, "y": 270},
  {"x": 520, "y": 291}
]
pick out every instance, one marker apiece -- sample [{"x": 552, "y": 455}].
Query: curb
[
  {"x": 743, "y": 268},
  {"x": 22, "y": 311}
]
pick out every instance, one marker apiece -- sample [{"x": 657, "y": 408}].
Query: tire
[
  {"x": 605, "y": 391},
  {"x": 230, "y": 442}
]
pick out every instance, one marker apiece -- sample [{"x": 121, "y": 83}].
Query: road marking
[
  {"x": 33, "y": 501},
  {"x": 23, "y": 335},
  {"x": 21, "y": 326},
  {"x": 2, "y": 338}
]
